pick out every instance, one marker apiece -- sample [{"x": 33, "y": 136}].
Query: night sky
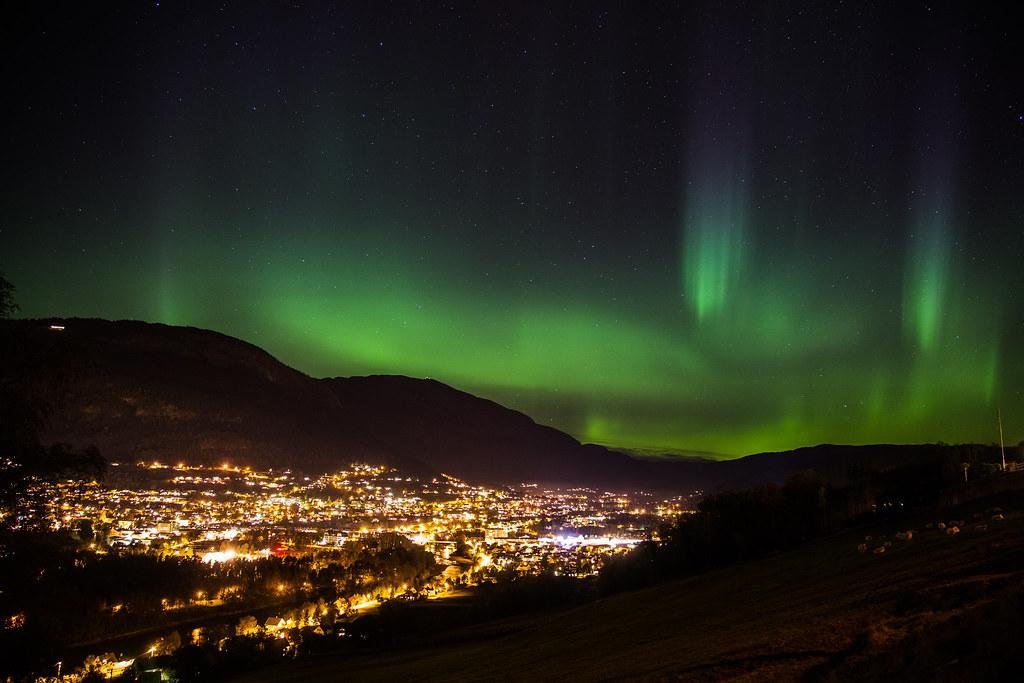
[{"x": 714, "y": 228}]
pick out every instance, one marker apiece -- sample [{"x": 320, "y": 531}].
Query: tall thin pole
[{"x": 1002, "y": 449}]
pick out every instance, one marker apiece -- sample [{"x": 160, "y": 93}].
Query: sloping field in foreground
[{"x": 936, "y": 607}]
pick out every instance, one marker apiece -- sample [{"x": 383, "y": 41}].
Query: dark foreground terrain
[{"x": 935, "y": 607}]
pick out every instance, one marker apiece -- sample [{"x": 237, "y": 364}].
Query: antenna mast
[{"x": 1002, "y": 449}]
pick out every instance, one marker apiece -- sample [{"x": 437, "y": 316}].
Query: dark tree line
[
  {"x": 728, "y": 527},
  {"x": 383, "y": 563},
  {"x": 739, "y": 525},
  {"x": 68, "y": 595}
]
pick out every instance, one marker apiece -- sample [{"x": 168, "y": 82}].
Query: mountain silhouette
[{"x": 146, "y": 391}]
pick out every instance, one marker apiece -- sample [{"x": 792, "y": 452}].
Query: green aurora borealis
[{"x": 742, "y": 257}]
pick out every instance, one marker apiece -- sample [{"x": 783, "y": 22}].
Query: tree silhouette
[
  {"x": 23, "y": 416},
  {"x": 7, "y": 305}
]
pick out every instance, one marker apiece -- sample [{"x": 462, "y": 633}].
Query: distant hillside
[
  {"x": 143, "y": 391},
  {"x": 834, "y": 461}
]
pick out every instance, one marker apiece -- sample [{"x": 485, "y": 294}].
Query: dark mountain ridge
[{"x": 144, "y": 391}]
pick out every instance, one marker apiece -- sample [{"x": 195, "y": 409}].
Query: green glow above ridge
[
  {"x": 713, "y": 238},
  {"x": 801, "y": 354},
  {"x": 713, "y": 257},
  {"x": 926, "y": 282},
  {"x": 800, "y": 322}
]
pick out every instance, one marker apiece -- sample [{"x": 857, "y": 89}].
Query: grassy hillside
[{"x": 937, "y": 607}]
